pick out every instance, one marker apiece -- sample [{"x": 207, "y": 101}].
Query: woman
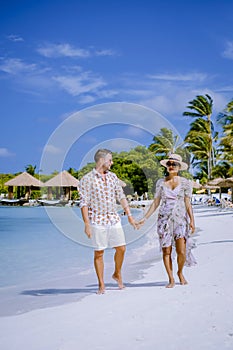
[{"x": 175, "y": 217}]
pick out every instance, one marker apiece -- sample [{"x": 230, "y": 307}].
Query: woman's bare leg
[
  {"x": 167, "y": 260},
  {"x": 181, "y": 257}
]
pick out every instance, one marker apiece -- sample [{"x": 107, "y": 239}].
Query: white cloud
[
  {"x": 97, "y": 94},
  {"x": 170, "y": 94},
  {"x": 66, "y": 50},
  {"x": 15, "y": 66},
  {"x": 107, "y": 93},
  {"x": 227, "y": 88},
  {"x": 15, "y": 38},
  {"x": 86, "y": 82},
  {"x": 86, "y": 99},
  {"x": 161, "y": 103},
  {"x": 62, "y": 50},
  {"x": 4, "y": 152},
  {"x": 167, "y": 93},
  {"x": 179, "y": 77},
  {"x": 94, "y": 95},
  {"x": 173, "y": 102},
  {"x": 85, "y": 85},
  {"x": 228, "y": 52}
]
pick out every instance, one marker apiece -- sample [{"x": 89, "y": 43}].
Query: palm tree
[
  {"x": 30, "y": 169},
  {"x": 222, "y": 169},
  {"x": 226, "y": 141},
  {"x": 166, "y": 143},
  {"x": 198, "y": 143},
  {"x": 226, "y": 117},
  {"x": 201, "y": 136},
  {"x": 73, "y": 172}
]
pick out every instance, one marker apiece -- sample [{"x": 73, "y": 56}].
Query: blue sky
[{"x": 60, "y": 57}]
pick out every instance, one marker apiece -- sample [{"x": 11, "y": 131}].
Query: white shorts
[{"x": 110, "y": 236}]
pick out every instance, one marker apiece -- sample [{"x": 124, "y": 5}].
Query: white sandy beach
[{"x": 145, "y": 315}]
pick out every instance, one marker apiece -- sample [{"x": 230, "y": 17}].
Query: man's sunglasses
[{"x": 172, "y": 164}]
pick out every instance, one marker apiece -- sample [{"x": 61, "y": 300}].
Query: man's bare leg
[
  {"x": 119, "y": 258},
  {"x": 167, "y": 260},
  {"x": 99, "y": 268},
  {"x": 181, "y": 257}
]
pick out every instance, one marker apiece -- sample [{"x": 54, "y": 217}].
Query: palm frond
[{"x": 202, "y": 104}]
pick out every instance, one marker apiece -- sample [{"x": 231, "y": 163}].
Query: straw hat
[{"x": 176, "y": 158}]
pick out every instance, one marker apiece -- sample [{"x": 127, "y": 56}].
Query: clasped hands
[{"x": 136, "y": 224}]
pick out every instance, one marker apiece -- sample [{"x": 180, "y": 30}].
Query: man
[{"x": 99, "y": 190}]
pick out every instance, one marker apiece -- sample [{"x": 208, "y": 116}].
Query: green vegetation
[
  {"x": 225, "y": 151},
  {"x": 201, "y": 136},
  {"x": 209, "y": 152},
  {"x": 30, "y": 169}
]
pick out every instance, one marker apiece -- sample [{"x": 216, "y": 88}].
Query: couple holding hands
[{"x": 99, "y": 192}]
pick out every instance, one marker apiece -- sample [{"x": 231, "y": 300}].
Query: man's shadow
[{"x": 90, "y": 289}]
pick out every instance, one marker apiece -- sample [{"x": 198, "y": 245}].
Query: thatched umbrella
[
  {"x": 63, "y": 179},
  {"x": 228, "y": 182},
  {"x": 212, "y": 184},
  {"x": 220, "y": 182},
  {"x": 215, "y": 182},
  {"x": 23, "y": 180}
]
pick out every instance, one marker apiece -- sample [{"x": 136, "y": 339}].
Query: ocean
[{"x": 46, "y": 260}]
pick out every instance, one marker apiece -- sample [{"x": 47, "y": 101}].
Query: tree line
[{"x": 207, "y": 147}]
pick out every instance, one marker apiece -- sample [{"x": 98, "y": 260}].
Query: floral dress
[{"x": 173, "y": 220}]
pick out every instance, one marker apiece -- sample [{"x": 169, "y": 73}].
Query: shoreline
[
  {"x": 61, "y": 287},
  {"x": 66, "y": 290},
  {"x": 54, "y": 293},
  {"x": 145, "y": 315}
]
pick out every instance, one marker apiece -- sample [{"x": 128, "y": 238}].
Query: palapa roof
[
  {"x": 24, "y": 179},
  {"x": 215, "y": 182},
  {"x": 228, "y": 182},
  {"x": 220, "y": 182},
  {"x": 63, "y": 179}
]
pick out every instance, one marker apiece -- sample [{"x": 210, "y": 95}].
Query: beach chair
[{"x": 225, "y": 204}]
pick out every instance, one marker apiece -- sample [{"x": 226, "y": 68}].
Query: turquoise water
[
  {"x": 37, "y": 260},
  {"x": 32, "y": 247}
]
